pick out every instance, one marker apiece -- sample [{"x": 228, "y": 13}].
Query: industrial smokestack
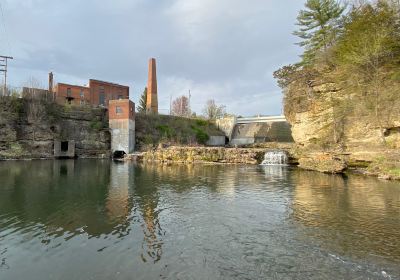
[{"x": 51, "y": 82}]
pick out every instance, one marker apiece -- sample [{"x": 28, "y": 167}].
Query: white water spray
[{"x": 275, "y": 158}]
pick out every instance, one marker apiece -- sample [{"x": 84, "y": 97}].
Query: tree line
[
  {"x": 180, "y": 106},
  {"x": 354, "y": 50}
]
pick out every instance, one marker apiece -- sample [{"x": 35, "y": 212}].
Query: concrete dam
[{"x": 251, "y": 130}]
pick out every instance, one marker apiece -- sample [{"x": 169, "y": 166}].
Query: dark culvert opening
[
  {"x": 64, "y": 146},
  {"x": 119, "y": 154}
]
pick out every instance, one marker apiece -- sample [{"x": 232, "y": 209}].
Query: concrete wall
[
  {"x": 242, "y": 141},
  {"x": 70, "y": 153},
  {"x": 122, "y": 135},
  {"x": 227, "y": 125},
  {"x": 262, "y": 132},
  {"x": 245, "y": 131},
  {"x": 216, "y": 141}
]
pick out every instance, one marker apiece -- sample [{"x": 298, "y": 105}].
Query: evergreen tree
[
  {"x": 318, "y": 27},
  {"x": 143, "y": 102}
]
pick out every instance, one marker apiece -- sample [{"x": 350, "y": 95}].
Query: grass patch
[
  {"x": 201, "y": 122},
  {"x": 384, "y": 166},
  {"x": 201, "y": 136},
  {"x": 165, "y": 131},
  {"x": 394, "y": 171},
  {"x": 96, "y": 125},
  {"x": 154, "y": 129}
]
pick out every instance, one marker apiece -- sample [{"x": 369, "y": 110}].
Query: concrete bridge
[{"x": 250, "y": 130}]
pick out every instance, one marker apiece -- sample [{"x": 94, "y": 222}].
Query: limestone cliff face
[
  {"x": 329, "y": 121},
  {"x": 28, "y": 130}
]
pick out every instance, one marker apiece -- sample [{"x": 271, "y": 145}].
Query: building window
[
  {"x": 120, "y": 97},
  {"x": 68, "y": 92},
  {"x": 102, "y": 96},
  {"x": 101, "y": 99},
  {"x": 82, "y": 94},
  {"x": 118, "y": 110}
]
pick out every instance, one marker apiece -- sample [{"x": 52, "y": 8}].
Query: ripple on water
[{"x": 97, "y": 220}]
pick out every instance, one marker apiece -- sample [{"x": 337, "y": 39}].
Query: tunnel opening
[{"x": 118, "y": 154}]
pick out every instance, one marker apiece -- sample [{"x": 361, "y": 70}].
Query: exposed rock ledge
[
  {"x": 206, "y": 154},
  {"x": 323, "y": 162}
]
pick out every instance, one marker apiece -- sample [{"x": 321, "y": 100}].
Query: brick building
[{"x": 97, "y": 93}]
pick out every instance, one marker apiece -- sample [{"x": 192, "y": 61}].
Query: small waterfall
[{"x": 275, "y": 158}]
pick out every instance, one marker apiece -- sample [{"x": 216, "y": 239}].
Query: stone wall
[{"x": 28, "y": 129}]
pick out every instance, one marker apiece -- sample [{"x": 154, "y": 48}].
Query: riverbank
[
  {"x": 383, "y": 165},
  {"x": 223, "y": 155},
  {"x": 324, "y": 162}
]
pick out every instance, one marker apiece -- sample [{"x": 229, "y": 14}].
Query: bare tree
[
  {"x": 180, "y": 106},
  {"x": 212, "y": 111},
  {"x": 35, "y": 97}
]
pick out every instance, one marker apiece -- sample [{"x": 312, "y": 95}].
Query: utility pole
[
  {"x": 190, "y": 107},
  {"x": 3, "y": 68}
]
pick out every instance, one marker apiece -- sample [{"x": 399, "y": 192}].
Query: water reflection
[
  {"x": 147, "y": 198},
  {"x": 275, "y": 172},
  {"x": 96, "y": 219},
  {"x": 347, "y": 214}
]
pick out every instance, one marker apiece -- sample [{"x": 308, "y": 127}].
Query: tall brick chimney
[
  {"x": 152, "y": 99},
  {"x": 51, "y": 82}
]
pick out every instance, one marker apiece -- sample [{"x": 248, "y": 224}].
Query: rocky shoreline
[{"x": 325, "y": 162}]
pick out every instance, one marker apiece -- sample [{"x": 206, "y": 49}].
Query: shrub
[
  {"x": 96, "y": 125},
  {"x": 165, "y": 130},
  {"x": 201, "y": 136},
  {"x": 201, "y": 122}
]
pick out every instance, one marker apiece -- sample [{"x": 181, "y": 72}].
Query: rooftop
[{"x": 104, "y": 82}]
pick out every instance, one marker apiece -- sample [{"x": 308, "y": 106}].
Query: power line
[{"x": 3, "y": 68}]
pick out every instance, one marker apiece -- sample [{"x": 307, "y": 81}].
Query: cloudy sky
[{"x": 226, "y": 49}]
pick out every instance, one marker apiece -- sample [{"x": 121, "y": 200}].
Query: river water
[{"x": 96, "y": 219}]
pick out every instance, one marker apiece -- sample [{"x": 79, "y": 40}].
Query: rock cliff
[
  {"x": 335, "y": 130},
  {"x": 28, "y": 129}
]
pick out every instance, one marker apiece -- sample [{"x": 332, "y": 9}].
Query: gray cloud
[{"x": 226, "y": 49}]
